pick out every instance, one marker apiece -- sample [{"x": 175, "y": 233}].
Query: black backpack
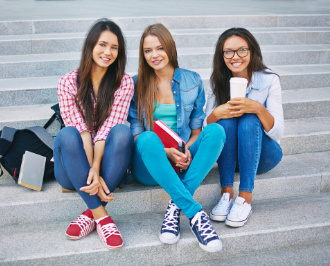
[{"x": 14, "y": 143}]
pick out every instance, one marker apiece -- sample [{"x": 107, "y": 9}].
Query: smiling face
[
  {"x": 155, "y": 54},
  {"x": 237, "y": 65},
  {"x": 105, "y": 51}
]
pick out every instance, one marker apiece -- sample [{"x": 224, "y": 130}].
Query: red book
[{"x": 168, "y": 137}]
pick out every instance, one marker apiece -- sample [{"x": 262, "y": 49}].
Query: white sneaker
[
  {"x": 221, "y": 210},
  {"x": 239, "y": 213}
]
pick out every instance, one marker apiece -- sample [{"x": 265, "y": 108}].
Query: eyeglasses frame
[{"x": 235, "y": 51}]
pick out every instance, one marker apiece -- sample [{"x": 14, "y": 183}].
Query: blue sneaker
[
  {"x": 170, "y": 231},
  {"x": 204, "y": 232}
]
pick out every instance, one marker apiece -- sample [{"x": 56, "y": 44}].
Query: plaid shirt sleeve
[
  {"x": 67, "y": 90},
  {"x": 119, "y": 109}
]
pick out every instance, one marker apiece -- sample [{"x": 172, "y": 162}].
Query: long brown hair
[
  {"x": 146, "y": 87},
  {"x": 110, "y": 81},
  {"x": 221, "y": 74}
]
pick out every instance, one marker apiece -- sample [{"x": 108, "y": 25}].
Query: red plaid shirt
[{"x": 67, "y": 90}]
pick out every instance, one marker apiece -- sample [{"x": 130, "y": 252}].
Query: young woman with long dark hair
[
  {"x": 92, "y": 153},
  {"x": 176, "y": 96},
  {"x": 253, "y": 124}
]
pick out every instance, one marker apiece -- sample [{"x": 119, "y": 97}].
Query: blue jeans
[
  {"x": 151, "y": 167},
  {"x": 72, "y": 166},
  {"x": 255, "y": 151}
]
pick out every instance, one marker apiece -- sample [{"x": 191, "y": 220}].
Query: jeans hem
[
  {"x": 198, "y": 208},
  {"x": 246, "y": 189},
  {"x": 227, "y": 185}
]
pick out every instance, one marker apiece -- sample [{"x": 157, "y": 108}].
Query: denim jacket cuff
[
  {"x": 196, "y": 123},
  {"x": 136, "y": 130}
]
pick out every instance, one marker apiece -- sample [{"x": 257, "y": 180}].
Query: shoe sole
[
  {"x": 77, "y": 237},
  {"x": 74, "y": 237},
  {"x": 218, "y": 218},
  {"x": 169, "y": 241},
  {"x": 206, "y": 248},
  {"x": 112, "y": 247},
  {"x": 237, "y": 223}
]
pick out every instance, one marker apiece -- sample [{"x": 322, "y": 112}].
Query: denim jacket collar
[
  {"x": 260, "y": 81},
  {"x": 252, "y": 83},
  {"x": 177, "y": 75}
]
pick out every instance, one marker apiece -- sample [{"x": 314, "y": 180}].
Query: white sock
[{"x": 99, "y": 220}]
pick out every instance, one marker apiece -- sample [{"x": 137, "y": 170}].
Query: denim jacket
[
  {"x": 265, "y": 89},
  {"x": 189, "y": 96}
]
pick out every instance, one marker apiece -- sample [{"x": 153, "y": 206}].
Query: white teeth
[
  {"x": 236, "y": 64},
  {"x": 107, "y": 59}
]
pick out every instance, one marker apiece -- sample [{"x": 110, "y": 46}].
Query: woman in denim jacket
[
  {"x": 253, "y": 124},
  {"x": 175, "y": 96}
]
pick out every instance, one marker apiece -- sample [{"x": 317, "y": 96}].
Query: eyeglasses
[{"x": 241, "y": 52}]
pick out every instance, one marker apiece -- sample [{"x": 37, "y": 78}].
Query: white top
[{"x": 263, "y": 88}]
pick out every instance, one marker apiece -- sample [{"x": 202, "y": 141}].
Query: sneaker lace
[
  {"x": 171, "y": 218},
  {"x": 204, "y": 225},
  {"x": 84, "y": 223},
  {"x": 109, "y": 230},
  {"x": 222, "y": 206},
  {"x": 237, "y": 209}
]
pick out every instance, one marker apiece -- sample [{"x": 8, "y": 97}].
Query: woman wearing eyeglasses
[{"x": 253, "y": 124}]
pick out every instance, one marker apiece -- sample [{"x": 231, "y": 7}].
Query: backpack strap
[
  {"x": 50, "y": 121},
  {"x": 56, "y": 115},
  {"x": 7, "y": 136},
  {"x": 8, "y": 133},
  {"x": 43, "y": 135}
]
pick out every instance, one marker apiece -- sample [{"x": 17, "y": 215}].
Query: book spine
[{"x": 181, "y": 148}]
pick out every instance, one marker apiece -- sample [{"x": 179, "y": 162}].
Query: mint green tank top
[{"x": 166, "y": 113}]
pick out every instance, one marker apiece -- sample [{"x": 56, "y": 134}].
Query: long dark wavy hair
[
  {"x": 146, "y": 89},
  {"x": 221, "y": 74},
  {"x": 110, "y": 81}
]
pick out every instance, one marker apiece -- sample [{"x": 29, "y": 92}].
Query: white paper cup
[{"x": 238, "y": 87}]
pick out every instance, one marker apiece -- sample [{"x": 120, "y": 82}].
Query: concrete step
[
  {"x": 303, "y": 103},
  {"x": 306, "y": 135},
  {"x": 40, "y": 65},
  {"x": 274, "y": 224},
  {"x": 301, "y": 135},
  {"x": 317, "y": 254},
  {"x": 73, "y": 42},
  {"x": 28, "y": 91},
  {"x": 292, "y": 76},
  {"x": 41, "y": 90},
  {"x": 291, "y": 178},
  {"x": 25, "y": 115},
  {"x": 298, "y": 103},
  {"x": 25, "y": 27}
]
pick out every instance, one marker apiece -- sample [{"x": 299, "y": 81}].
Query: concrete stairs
[{"x": 291, "y": 202}]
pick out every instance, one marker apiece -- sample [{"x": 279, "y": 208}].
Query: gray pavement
[{"x": 34, "y": 9}]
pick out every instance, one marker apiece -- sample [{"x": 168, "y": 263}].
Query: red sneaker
[
  {"x": 82, "y": 226},
  {"x": 109, "y": 233}
]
